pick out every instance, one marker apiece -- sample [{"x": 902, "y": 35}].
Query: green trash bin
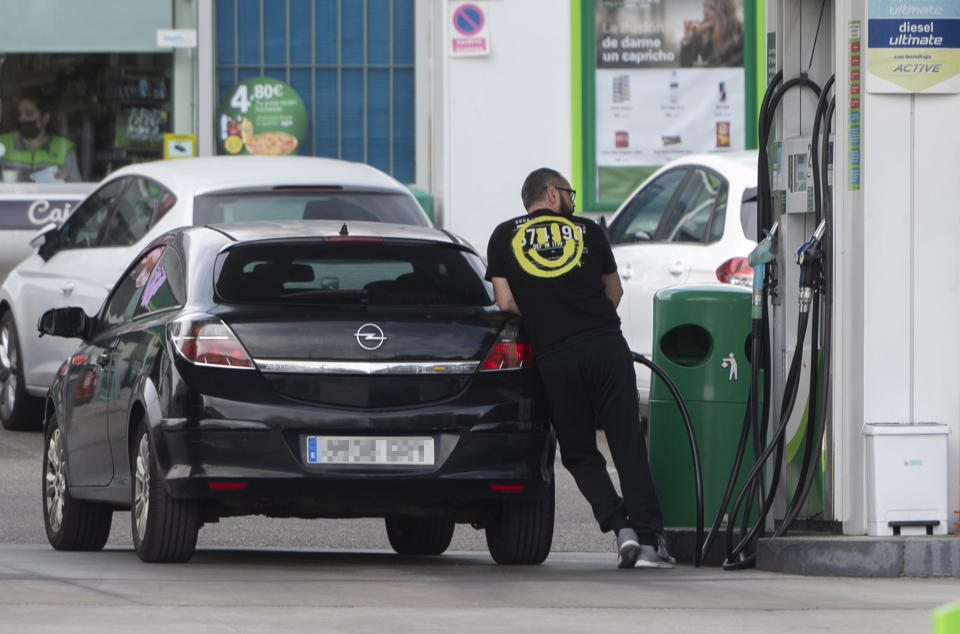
[
  {"x": 702, "y": 342},
  {"x": 425, "y": 199}
]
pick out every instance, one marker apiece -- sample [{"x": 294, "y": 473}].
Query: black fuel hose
[
  {"x": 818, "y": 393},
  {"x": 816, "y": 418},
  {"x": 749, "y": 424},
  {"x": 818, "y": 178},
  {"x": 758, "y": 426},
  {"x": 753, "y": 484},
  {"x": 694, "y": 451},
  {"x": 734, "y": 553},
  {"x": 767, "y": 111}
]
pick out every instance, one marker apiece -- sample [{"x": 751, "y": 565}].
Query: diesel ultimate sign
[{"x": 913, "y": 47}]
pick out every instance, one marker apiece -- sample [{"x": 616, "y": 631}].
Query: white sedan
[
  {"x": 77, "y": 262},
  {"x": 681, "y": 226}
]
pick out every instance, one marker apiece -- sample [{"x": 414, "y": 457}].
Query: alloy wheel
[
  {"x": 55, "y": 481},
  {"x": 8, "y": 371},
  {"x": 141, "y": 496}
]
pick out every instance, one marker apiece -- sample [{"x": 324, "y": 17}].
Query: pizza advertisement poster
[{"x": 263, "y": 116}]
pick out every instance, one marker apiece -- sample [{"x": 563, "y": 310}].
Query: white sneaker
[
  {"x": 648, "y": 557},
  {"x": 628, "y": 548}
]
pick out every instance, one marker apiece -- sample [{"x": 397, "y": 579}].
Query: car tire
[
  {"x": 71, "y": 524},
  {"x": 164, "y": 528},
  {"x": 18, "y": 410},
  {"x": 522, "y": 532},
  {"x": 419, "y": 535}
]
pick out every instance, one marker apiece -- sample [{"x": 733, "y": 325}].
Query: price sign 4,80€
[{"x": 262, "y": 115}]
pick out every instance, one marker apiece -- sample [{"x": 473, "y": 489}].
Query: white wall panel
[
  {"x": 888, "y": 251},
  {"x": 936, "y": 309},
  {"x": 506, "y": 114}
]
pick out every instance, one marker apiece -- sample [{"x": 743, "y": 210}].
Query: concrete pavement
[{"x": 296, "y": 590}]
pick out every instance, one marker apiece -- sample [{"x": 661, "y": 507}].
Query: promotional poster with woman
[{"x": 669, "y": 79}]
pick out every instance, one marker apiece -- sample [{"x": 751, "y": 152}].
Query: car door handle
[
  {"x": 627, "y": 272},
  {"x": 68, "y": 287},
  {"x": 676, "y": 269},
  {"x": 104, "y": 358}
]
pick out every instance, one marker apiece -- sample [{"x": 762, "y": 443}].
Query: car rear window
[
  {"x": 353, "y": 273},
  {"x": 307, "y": 204}
]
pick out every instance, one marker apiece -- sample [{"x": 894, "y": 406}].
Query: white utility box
[{"x": 906, "y": 478}]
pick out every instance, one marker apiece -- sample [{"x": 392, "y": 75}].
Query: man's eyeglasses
[{"x": 570, "y": 192}]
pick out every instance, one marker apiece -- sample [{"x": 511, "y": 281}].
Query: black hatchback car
[{"x": 298, "y": 369}]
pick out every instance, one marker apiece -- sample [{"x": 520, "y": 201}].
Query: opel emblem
[{"x": 370, "y": 336}]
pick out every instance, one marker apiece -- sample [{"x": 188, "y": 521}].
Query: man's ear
[{"x": 552, "y": 195}]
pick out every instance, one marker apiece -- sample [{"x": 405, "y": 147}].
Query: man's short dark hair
[{"x": 537, "y": 181}]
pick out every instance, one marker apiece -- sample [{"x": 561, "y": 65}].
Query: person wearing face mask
[
  {"x": 32, "y": 152},
  {"x": 557, "y": 271}
]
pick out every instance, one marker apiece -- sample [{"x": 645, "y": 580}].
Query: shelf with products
[
  {"x": 135, "y": 105},
  {"x": 135, "y": 84},
  {"x": 138, "y": 127}
]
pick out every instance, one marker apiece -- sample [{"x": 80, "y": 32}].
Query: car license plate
[{"x": 364, "y": 450}]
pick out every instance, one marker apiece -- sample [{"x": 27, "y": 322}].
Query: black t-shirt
[{"x": 553, "y": 263}]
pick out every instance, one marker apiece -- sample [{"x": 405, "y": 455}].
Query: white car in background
[
  {"x": 77, "y": 262},
  {"x": 682, "y": 225}
]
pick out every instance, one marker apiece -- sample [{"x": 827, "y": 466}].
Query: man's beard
[{"x": 566, "y": 207}]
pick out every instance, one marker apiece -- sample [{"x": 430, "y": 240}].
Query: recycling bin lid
[
  {"x": 904, "y": 429},
  {"x": 700, "y": 290}
]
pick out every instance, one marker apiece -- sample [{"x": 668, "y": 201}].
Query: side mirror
[
  {"x": 71, "y": 323},
  {"x": 748, "y": 214},
  {"x": 46, "y": 241},
  {"x": 604, "y": 227}
]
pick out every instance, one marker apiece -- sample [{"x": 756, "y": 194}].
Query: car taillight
[
  {"x": 508, "y": 353},
  {"x": 506, "y": 488},
  {"x": 508, "y": 356},
  {"x": 209, "y": 343},
  {"x": 736, "y": 271}
]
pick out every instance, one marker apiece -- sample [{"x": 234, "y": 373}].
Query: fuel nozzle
[
  {"x": 810, "y": 257},
  {"x": 761, "y": 255}
]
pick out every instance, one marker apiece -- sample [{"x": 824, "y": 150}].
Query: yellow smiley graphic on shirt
[{"x": 548, "y": 246}]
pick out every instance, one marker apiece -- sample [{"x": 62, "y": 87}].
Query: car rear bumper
[{"x": 264, "y": 471}]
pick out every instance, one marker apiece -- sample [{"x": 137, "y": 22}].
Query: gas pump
[
  {"x": 852, "y": 331},
  {"x": 886, "y": 117},
  {"x": 791, "y": 331},
  {"x": 801, "y": 42}
]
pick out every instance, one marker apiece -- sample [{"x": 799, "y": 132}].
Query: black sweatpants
[{"x": 590, "y": 378}]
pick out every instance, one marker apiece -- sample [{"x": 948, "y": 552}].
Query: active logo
[{"x": 548, "y": 246}]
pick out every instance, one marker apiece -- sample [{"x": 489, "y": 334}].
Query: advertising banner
[
  {"x": 26, "y": 212},
  {"x": 262, "y": 115},
  {"x": 669, "y": 79},
  {"x": 913, "y": 46}
]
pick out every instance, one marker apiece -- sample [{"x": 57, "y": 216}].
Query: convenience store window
[
  {"x": 113, "y": 107},
  {"x": 98, "y": 66},
  {"x": 350, "y": 61}
]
